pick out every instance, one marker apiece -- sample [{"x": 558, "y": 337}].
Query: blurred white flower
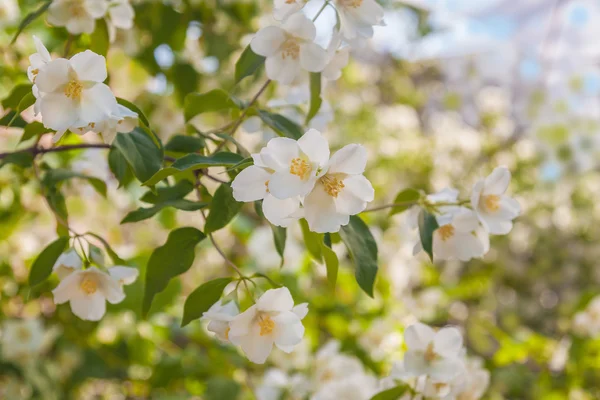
[
  {"x": 277, "y": 384},
  {"x": 358, "y": 17},
  {"x": 66, "y": 263},
  {"x": 87, "y": 291},
  {"x": 587, "y": 322},
  {"x": 284, "y": 8},
  {"x": 78, "y": 16},
  {"x": 337, "y": 58},
  {"x": 289, "y": 48},
  {"x": 272, "y": 320},
  {"x": 120, "y": 15},
  {"x": 476, "y": 381},
  {"x": 435, "y": 354},
  {"x": 9, "y": 12},
  {"x": 494, "y": 209},
  {"x": 463, "y": 238},
  {"x": 331, "y": 365},
  {"x": 219, "y": 316},
  {"x": 22, "y": 339},
  {"x": 353, "y": 387}
]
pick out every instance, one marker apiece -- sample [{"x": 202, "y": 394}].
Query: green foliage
[
  {"x": 394, "y": 393},
  {"x": 184, "y": 144},
  {"x": 312, "y": 241},
  {"x": 99, "y": 41},
  {"x": 280, "y": 124},
  {"x": 405, "y": 200},
  {"x": 135, "y": 109},
  {"x": 363, "y": 250},
  {"x": 331, "y": 262},
  {"x": 29, "y": 18},
  {"x": 279, "y": 238},
  {"x": 427, "y": 225},
  {"x": 247, "y": 64},
  {"x": 141, "y": 152},
  {"x": 315, "y": 96},
  {"x": 201, "y": 299},
  {"x": 222, "y": 209},
  {"x": 54, "y": 177},
  {"x": 42, "y": 266},
  {"x": 215, "y": 100}
]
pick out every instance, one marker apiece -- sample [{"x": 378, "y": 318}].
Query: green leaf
[
  {"x": 134, "y": 108},
  {"x": 215, "y": 100},
  {"x": 246, "y": 162},
  {"x": 222, "y": 209},
  {"x": 168, "y": 193},
  {"x": 119, "y": 167},
  {"x": 201, "y": 299},
  {"x": 363, "y": 250},
  {"x": 391, "y": 394},
  {"x": 170, "y": 260},
  {"x": 96, "y": 255},
  {"x": 42, "y": 266},
  {"x": 185, "y": 144},
  {"x": 312, "y": 240},
  {"x": 219, "y": 388},
  {"x": 99, "y": 40},
  {"x": 427, "y": 225},
  {"x": 248, "y": 63},
  {"x": 111, "y": 253},
  {"x": 315, "y": 96},
  {"x": 141, "y": 153},
  {"x": 145, "y": 213},
  {"x": 331, "y": 262},
  {"x": 34, "y": 129},
  {"x": 280, "y": 124},
  {"x": 55, "y": 176},
  {"x": 279, "y": 238},
  {"x": 16, "y": 95},
  {"x": 23, "y": 159},
  {"x": 405, "y": 200},
  {"x": 32, "y": 16},
  {"x": 193, "y": 162},
  {"x": 26, "y": 102}
]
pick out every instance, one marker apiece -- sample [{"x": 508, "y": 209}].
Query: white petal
[
  {"x": 89, "y": 66},
  {"x": 445, "y": 369},
  {"x": 288, "y": 329},
  {"x": 284, "y": 70},
  {"x": 350, "y": 159},
  {"x": 122, "y": 15},
  {"x": 279, "y": 153},
  {"x": 41, "y": 49},
  {"x": 333, "y": 69},
  {"x": 355, "y": 195},
  {"x": 250, "y": 184},
  {"x": 97, "y": 103},
  {"x": 418, "y": 336},
  {"x": 497, "y": 182},
  {"x": 320, "y": 212},
  {"x": 95, "y": 8},
  {"x": 89, "y": 308},
  {"x": 81, "y": 24},
  {"x": 414, "y": 363},
  {"x": 448, "y": 342},
  {"x": 66, "y": 289},
  {"x": 283, "y": 9},
  {"x": 257, "y": 347},
  {"x": 280, "y": 212},
  {"x": 58, "y": 111},
  {"x": 279, "y": 299},
  {"x": 240, "y": 325},
  {"x": 465, "y": 220},
  {"x": 58, "y": 13},
  {"x": 476, "y": 194},
  {"x": 495, "y": 225},
  {"x": 313, "y": 57},
  {"x": 300, "y": 26},
  {"x": 315, "y": 146},
  {"x": 53, "y": 75},
  {"x": 268, "y": 41},
  {"x": 124, "y": 275},
  {"x": 285, "y": 185},
  {"x": 301, "y": 310}
]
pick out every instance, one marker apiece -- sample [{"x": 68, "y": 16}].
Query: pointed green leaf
[
  {"x": 119, "y": 167},
  {"x": 363, "y": 249},
  {"x": 42, "y": 266},
  {"x": 99, "y": 40},
  {"x": 16, "y": 95},
  {"x": 279, "y": 238},
  {"x": 201, "y": 299},
  {"x": 312, "y": 240},
  {"x": 55, "y": 176},
  {"x": 331, "y": 262},
  {"x": 34, "y": 129},
  {"x": 222, "y": 209},
  {"x": 141, "y": 153},
  {"x": 145, "y": 213},
  {"x": 247, "y": 64},
  {"x": 427, "y": 225},
  {"x": 392, "y": 394},
  {"x": 185, "y": 144},
  {"x": 215, "y": 100},
  {"x": 32, "y": 16},
  {"x": 405, "y": 200},
  {"x": 280, "y": 124},
  {"x": 315, "y": 96}
]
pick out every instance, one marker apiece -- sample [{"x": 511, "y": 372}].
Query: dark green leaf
[
  {"x": 201, "y": 299},
  {"x": 13, "y": 119},
  {"x": 99, "y": 40},
  {"x": 16, "y": 95},
  {"x": 331, "y": 262},
  {"x": 391, "y": 394},
  {"x": 427, "y": 225},
  {"x": 145, "y": 213},
  {"x": 246, "y": 162},
  {"x": 26, "y": 102},
  {"x": 215, "y": 100},
  {"x": 193, "y": 162},
  {"x": 219, "y": 388},
  {"x": 42, "y": 266},
  {"x": 23, "y": 159},
  {"x": 55, "y": 176},
  {"x": 363, "y": 250},
  {"x": 184, "y": 144},
  {"x": 135, "y": 109},
  {"x": 168, "y": 193},
  {"x": 280, "y": 124},
  {"x": 32, "y": 16},
  {"x": 34, "y": 129},
  {"x": 315, "y": 96},
  {"x": 119, "y": 167},
  {"x": 222, "y": 209},
  {"x": 248, "y": 63},
  {"x": 405, "y": 200},
  {"x": 279, "y": 238},
  {"x": 111, "y": 253},
  {"x": 170, "y": 260},
  {"x": 141, "y": 153},
  {"x": 312, "y": 240}
]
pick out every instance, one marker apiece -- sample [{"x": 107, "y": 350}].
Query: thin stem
[
  {"x": 35, "y": 150},
  {"x": 401, "y": 204},
  {"x": 320, "y": 11}
]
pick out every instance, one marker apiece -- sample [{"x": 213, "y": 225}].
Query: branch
[{"x": 34, "y": 150}]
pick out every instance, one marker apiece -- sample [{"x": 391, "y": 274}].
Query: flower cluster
[
  {"x": 290, "y": 47},
  {"x": 70, "y": 95},
  {"x": 79, "y": 16},
  {"x": 273, "y": 320},
  {"x": 87, "y": 290},
  {"x": 296, "y": 179},
  {"x": 435, "y": 365},
  {"x": 463, "y": 232}
]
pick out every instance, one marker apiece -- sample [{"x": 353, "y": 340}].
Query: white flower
[
  {"x": 38, "y": 60},
  {"x": 276, "y": 383},
  {"x": 435, "y": 354},
  {"x": 462, "y": 238},
  {"x": 495, "y": 210},
  {"x": 87, "y": 291},
  {"x": 66, "y": 263},
  {"x": 587, "y": 322},
  {"x": 337, "y": 58},
  {"x": 284, "y": 8},
  {"x": 78, "y": 16},
  {"x": 120, "y": 15},
  {"x": 253, "y": 183},
  {"x": 123, "y": 275},
  {"x": 352, "y": 387},
  {"x": 9, "y": 12},
  {"x": 219, "y": 317},
  {"x": 339, "y": 192},
  {"x": 289, "y": 49},
  {"x": 72, "y": 93},
  {"x": 272, "y": 320},
  {"x": 476, "y": 380},
  {"x": 122, "y": 120},
  {"x": 357, "y": 17},
  {"x": 21, "y": 339}
]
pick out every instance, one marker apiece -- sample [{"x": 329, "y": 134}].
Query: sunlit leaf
[
  {"x": 42, "y": 266},
  {"x": 247, "y": 64},
  {"x": 215, "y": 100},
  {"x": 405, "y": 200},
  {"x": 201, "y": 299},
  {"x": 223, "y": 209}
]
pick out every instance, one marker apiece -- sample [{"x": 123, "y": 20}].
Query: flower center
[
  {"x": 491, "y": 202},
  {"x": 77, "y": 9},
  {"x": 266, "y": 325},
  {"x": 24, "y": 334},
  {"x": 73, "y": 89},
  {"x": 446, "y": 231},
  {"x": 300, "y": 168},
  {"x": 351, "y": 3},
  {"x": 88, "y": 285},
  {"x": 290, "y": 48},
  {"x": 227, "y": 333},
  {"x": 267, "y": 186},
  {"x": 332, "y": 185},
  {"x": 430, "y": 355}
]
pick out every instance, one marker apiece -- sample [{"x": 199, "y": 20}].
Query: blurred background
[{"x": 442, "y": 94}]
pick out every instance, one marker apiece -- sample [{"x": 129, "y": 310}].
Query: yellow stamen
[
  {"x": 266, "y": 325},
  {"x": 300, "y": 168},
  {"x": 332, "y": 185},
  {"x": 290, "y": 48},
  {"x": 430, "y": 355},
  {"x": 267, "y": 185},
  {"x": 73, "y": 89},
  {"x": 88, "y": 285},
  {"x": 491, "y": 202},
  {"x": 446, "y": 231},
  {"x": 227, "y": 333}
]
